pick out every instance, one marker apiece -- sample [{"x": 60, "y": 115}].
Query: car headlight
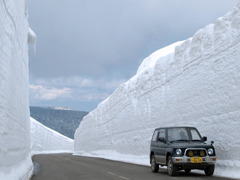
[
  {"x": 178, "y": 151},
  {"x": 210, "y": 151}
]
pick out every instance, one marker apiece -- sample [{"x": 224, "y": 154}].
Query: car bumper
[{"x": 187, "y": 160}]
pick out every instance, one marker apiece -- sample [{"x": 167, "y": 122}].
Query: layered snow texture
[
  {"x": 194, "y": 83},
  {"x": 46, "y": 140},
  {"x": 15, "y": 158}
]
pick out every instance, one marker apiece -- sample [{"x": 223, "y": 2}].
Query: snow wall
[
  {"x": 46, "y": 140},
  {"x": 15, "y": 157},
  {"x": 195, "y": 83}
]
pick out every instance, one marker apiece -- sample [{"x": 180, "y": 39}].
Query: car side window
[
  {"x": 154, "y": 137},
  {"x": 161, "y": 133}
]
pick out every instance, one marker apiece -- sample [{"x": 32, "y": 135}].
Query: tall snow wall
[
  {"x": 15, "y": 159},
  {"x": 195, "y": 83},
  {"x": 46, "y": 140}
]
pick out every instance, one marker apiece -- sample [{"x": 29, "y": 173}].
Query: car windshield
[{"x": 183, "y": 134}]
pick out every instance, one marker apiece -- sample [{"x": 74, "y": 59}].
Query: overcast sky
[{"x": 86, "y": 48}]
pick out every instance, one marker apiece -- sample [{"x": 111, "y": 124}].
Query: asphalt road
[{"x": 68, "y": 167}]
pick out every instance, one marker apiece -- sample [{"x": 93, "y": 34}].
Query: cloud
[
  {"x": 91, "y": 96},
  {"x": 102, "y": 38},
  {"x": 78, "y": 89},
  {"x": 78, "y": 82},
  {"x": 42, "y": 93}
]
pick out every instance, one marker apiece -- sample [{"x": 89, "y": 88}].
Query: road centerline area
[
  {"x": 113, "y": 174},
  {"x": 76, "y": 162}
]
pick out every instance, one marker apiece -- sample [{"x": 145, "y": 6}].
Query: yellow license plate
[{"x": 196, "y": 160}]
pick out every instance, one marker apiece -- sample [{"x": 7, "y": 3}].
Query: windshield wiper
[{"x": 179, "y": 140}]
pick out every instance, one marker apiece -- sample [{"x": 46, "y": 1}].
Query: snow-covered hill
[
  {"x": 46, "y": 140},
  {"x": 195, "y": 82},
  {"x": 61, "y": 120}
]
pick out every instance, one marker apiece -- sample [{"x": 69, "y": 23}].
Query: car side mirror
[
  {"x": 161, "y": 139},
  {"x": 204, "y": 138}
]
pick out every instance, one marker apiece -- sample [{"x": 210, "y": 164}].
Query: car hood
[{"x": 190, "y": 144}]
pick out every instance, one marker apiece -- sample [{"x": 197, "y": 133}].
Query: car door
[
  {"x": 161, "y": 147},
  {"x": 154, "y": 144}
]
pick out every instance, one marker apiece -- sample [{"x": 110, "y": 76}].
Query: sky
[{"x": 86, "y": 48}]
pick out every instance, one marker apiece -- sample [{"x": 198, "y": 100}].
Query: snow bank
[
  {"x": 46, "y": 140},
  {"x": 15, "y": 160},
  {"x": 194, "y": 83}
]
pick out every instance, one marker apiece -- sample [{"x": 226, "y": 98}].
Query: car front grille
[{"x": 195, "y": 152}]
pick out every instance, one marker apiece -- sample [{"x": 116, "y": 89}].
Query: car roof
[{"x": 169, "y": 127}]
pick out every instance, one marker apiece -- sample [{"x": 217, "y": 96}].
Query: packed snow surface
[
  {"x": 46, "y": 140},
  {"x": 15, "y": 158},
  {"x": 194, "y": 83}
]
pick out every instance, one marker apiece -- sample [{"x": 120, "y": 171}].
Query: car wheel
[
  {"x": 209, "y": 170},
  {"x": 154, "y": 165},
  {"x": 171, "y": 168},
  {"x": 187, "y": 171}
]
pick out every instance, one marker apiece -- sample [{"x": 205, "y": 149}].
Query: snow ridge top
[{"x": 150, "y": 61}]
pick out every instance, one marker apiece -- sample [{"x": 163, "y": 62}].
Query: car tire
[
  {"x": 154, "y": 165},
  {"x": 187, "y": 171},
  {"x": 171, "y": 168},
  {"x": 209, "y": 170}
]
